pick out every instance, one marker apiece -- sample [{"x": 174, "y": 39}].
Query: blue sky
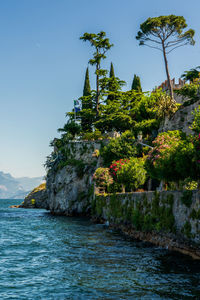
[{"x": 43, "y": 62}]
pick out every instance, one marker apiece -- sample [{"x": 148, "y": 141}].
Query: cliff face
[
  {"x": 181, "y": 120},
  {"x": 69, "y": 182},
  {"x": 37, "y": 198}
]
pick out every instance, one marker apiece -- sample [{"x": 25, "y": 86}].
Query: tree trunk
[
  {"x": 167, "y": 72},
  {"x": 160, "y": 188},
  {"x": 149, "y": 184},
  {"x": 97, "y": 86},
  {"x": 123, "y": 188}
]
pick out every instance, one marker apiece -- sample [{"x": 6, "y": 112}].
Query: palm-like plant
[{"x": 192, "y": 74}]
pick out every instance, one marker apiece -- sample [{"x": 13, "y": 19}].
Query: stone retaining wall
[{"x": 169, "y": 218}]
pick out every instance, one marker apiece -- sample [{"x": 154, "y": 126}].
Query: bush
[
  {"x": 172, "y": 157},
  {"x": 71, "y": 128},
  {"x": 102, "y": 177},
  {"x": 92, "y": 136},
  {"x": 196, "y": 123},
  {"x": 129, "y": 172},
  {"x": 121, "y": 147},
  {"x": 190, "y": 91},
  {"x": 195, "y": 161}
]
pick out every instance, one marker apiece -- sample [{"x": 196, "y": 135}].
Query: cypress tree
[
  {"x": 112, "y": 73},
  {"x": 87, "y": 89},
  {"x": 136, "y": 85},
  {"x": 111, "y": 84},
  {"x": 86, "y": 122}
]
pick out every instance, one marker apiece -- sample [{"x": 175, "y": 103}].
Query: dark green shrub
[
  {"x": 186, "y": 198},
  {"x": 172, "y": 157},
  {"x": 121, "y": 147}
]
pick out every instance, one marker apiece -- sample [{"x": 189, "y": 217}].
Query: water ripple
[{"x": 46, "y": 257}]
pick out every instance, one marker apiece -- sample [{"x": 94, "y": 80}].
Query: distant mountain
[
  {"x": 13, "y": 188},
  {"x": 29, "y": 183}
]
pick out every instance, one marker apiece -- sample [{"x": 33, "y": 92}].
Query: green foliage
[
  {"x": 191, "y": 74},
  {"x": 196, "y": 123},
  {"x": 130, "y": 173},
  {"x": 78, "y": 164},
  {"x": 171, "y": 158},
  {"x": 195, "y": 214},
  {"x": 146, "y": 126},
  {"x": 189, "y": 184},
  {"x": 93, "y": 136},
  {"x": 87, "y": 105},
  {"x": 165, "y": 29},
  {"x": 101, "y": 45},
  {"x": 165, "y": 33},
  {"x": 186, "y": 198},
  {"x": 190, "y": 91},
  {"x": 87, "y": 89},
  {"x": 166, "y": 106},
  {"x": 71, "y": 127},
  {"x": 112, "y": 73},
  {"x": 142, "y": 215},
  {"x": 186, "y": 230},
  {"x": 121, "y": 147},
  {"x": 102, "y": 177},
  {"x": 136, "y": 84},
  {"x": 183, "y": 158},
  {"x": 196, "y": 144},
  {"x": 109, "y": 87},
  {"x": 139, "y": 111},
  {"x": 113, "y": 116},
  {"x": 120, "y": 112},
  {"x": 145, "y": 110}
]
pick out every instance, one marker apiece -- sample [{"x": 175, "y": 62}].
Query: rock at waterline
[{"x": 35, "y": 199}]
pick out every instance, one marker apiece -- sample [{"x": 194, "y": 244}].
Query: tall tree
[
  {"x": 101, "y": 45},
  {"x": 87, "y": 89},
  {"x": 136, "y": 85},
  {"x": 112, "y": 73},
  {"x": 86, "y": 120},
  {"x": 111, "y": 83},
  {"x": 111, "y": 86},
  {"x": 165, "y": 33}
]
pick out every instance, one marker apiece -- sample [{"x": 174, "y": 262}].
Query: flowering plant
[
  {"x": 172, "y": 157},
  {"x": 130, "y": 173},
  {"x": 102, "y": 177},
  {"x": 160, "y": 162},
  {"x": 117, "y": 165}
]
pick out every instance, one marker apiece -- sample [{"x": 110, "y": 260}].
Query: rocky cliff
[
  {"x": 37, "y": 198},
  {"x": 69, "y": 181},
  {"x": 181, "y": 120}
]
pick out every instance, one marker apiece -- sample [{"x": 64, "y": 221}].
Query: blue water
[{"x": 48, "y": 257}]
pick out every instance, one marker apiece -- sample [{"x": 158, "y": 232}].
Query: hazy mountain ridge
[{"x": 11, "y": 187}]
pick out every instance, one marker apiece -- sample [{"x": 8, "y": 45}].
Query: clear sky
[{"x": 43, "y": 62}]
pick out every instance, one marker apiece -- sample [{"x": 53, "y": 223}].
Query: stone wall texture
[
  {"x": 169, "y": 218},
  {"x": 181, "y": 120}
]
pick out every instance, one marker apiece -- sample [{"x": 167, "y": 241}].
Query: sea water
[{"x": 51, "y": 257}]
